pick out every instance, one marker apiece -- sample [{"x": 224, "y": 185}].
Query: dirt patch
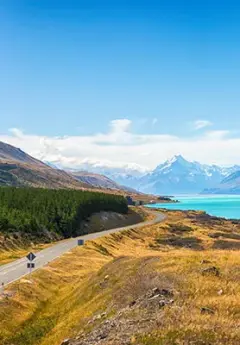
[
  {"x": 180, "y": 242},
  {"x": 109, "y": 220},
  {"x": 179, "y": 228},
  {"x": 227, "y": 245},
  {"x": 232, "y": 236}
]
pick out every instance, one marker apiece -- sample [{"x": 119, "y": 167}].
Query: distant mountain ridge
[
  {"x": 229, "y": 185},
  {"x": 98, "y": 180},
  {"x": 179, "y": 176},
  {"x": 174, "y": 176}
]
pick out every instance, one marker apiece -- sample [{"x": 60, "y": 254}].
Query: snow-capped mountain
[
  {"x": 179, "y": 176},
  {"x": 175, "y": 176},
  {"x": 230, "y": 185}
]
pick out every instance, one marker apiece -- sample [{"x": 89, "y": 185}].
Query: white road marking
[{"x": 18, "y": 269}]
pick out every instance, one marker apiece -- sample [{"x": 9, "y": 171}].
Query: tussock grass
[
  {"x": 9, "y": 254},
  {"x": 89, "y": 280}
]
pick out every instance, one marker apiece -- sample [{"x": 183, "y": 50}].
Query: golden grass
[
  {"x": 9, "y": 255},
  {"x": 70, "y": 290}
]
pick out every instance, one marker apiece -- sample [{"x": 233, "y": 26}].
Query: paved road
[{"x": 17, "y": 269}]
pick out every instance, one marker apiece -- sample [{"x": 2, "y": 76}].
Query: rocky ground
[{"x": 141, "y": 315}]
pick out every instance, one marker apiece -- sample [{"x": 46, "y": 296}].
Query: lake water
[{"x": 221, "y": 206}]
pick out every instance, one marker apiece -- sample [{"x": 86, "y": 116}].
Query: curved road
[{"x": 17, "y": 269}]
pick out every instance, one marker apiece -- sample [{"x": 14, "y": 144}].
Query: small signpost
[
  {"x": 80, "y": 242},
  {"x": 2, "y": 289},
  {"x": 31, "y": 256}
]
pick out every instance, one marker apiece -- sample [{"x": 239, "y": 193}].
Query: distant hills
[
  {"x": 20, "y": 169},
  {"x": 99, "y": 181},
  {"x": 175, "y": 176}
]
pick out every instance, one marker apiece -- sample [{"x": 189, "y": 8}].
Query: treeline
[{"x": 33, "y": 212}]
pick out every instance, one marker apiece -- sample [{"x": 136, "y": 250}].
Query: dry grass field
[{"x": 175, "y": 283}]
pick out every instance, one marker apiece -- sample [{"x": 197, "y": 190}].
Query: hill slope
[
  {"x": 20, "y": 169},
  {"x": 12, "y": 153},
  {"x": 100, "y": 181}
]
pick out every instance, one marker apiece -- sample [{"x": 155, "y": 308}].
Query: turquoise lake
[{"x": 220, "y": 206}]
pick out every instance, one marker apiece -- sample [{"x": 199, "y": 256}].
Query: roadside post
[
  {"x": 80, "y": 242},
  {"x": 2, "y": 289},
  {"x": 31, "y": 256}
]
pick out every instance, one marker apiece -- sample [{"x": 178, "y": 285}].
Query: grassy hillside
[{"x": 168, "y": 284}]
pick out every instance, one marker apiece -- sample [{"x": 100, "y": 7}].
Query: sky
[{"x": 121, "y": 82}]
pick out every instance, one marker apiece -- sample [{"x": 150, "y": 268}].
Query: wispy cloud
[
  {"x": 120, "y": 125},
  {"x": 119, "y": 145},
  {"x": 199, "y": 124},
  {"x": 217, "y": 134},
  {"x": 16, "y": 132}
]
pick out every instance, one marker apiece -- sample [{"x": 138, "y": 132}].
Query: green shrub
[{"x": 32, "y": 211}]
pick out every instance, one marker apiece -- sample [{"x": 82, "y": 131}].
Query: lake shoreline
[{"x": 227, "y": 207}]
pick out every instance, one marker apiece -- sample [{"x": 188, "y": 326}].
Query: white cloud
[
  {"x": 217, "y": 134},
  {"x": 120, "y": 125},
  {"x": 120, "y": 146},
  {"x": 199, "y": 124},
  {"x": 18, "y": 133}
]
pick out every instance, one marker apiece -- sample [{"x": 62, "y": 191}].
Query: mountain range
[
  {"x": 174, "y": 176},
  {"x": 179, "y": 176}
]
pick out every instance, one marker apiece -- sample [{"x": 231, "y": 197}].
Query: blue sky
[{"x": 170, "y": 68}]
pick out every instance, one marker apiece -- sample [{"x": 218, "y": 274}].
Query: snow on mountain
[
  {"x": 175, "y": 176},
  {"x": 229, "y": 185},
  {"x": 179, "y": 176}
]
